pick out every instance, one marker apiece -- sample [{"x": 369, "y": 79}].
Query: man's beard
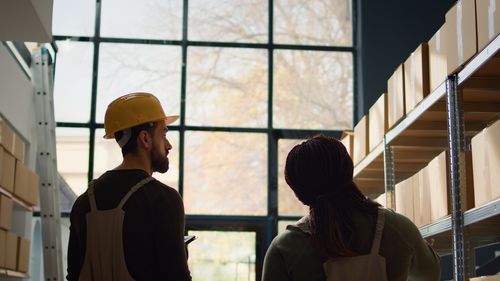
[{"x": 159, "y": 162}]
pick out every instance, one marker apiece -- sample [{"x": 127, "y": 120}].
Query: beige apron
[
  {"x": 369, "y": 267},
  {"x": 104, "y": 256}
]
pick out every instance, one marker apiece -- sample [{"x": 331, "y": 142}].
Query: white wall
[{"x": 17, "y": 102}]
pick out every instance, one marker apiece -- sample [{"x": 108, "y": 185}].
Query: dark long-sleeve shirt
[{"x": 153, "y": 227}]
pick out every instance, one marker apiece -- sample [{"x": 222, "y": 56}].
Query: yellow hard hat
[{"x": 131, "y": 110}]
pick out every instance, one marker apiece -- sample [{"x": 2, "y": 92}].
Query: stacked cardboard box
[
  {"x": 378, "y": 122},
  {"x": 11, "y": 251},
  {"x": 23, "y": 256},
  {"x": 416, "y": 77},
  {"x": 486, "y": 164},
  {"x": 395, "y": 97},
  {"x": 5, "y": 212},
  {"x": 347, "y": 140},
  {"x": 361, "y": 144},
  {"x": 438, "y": 66},
  {"x": 26, "y": 184},
  {"x": 404, "y": 198},
  {"x": 8, "y": 171},
  {"x": 488, "y": 21},
  {"x": 486, "y": 278},
  {"x": 461, "y": 34}
]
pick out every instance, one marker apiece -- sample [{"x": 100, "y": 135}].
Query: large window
[{"x": 250, "y": 79}]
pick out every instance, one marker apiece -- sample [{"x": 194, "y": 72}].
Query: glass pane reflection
[
  {"x": 127, "y": 68},
  {"x": 73, "y": 157},
  {"x": 225, "y": 173},
  {"x": 312, "y": 90},
  {"x": 222, "y": 256},
  {"x": 226, "y": 87},
  {"x": 152, "y": 19},
  {"x": 313, "y": 22},
  {"x": 228, "y": 21}
]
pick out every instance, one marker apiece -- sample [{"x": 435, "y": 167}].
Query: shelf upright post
[
  {"x": 389, "y": 176},
  {"x": 456, "y": 147}
]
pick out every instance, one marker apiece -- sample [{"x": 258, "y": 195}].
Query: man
[{"x": 127, "y": 225}]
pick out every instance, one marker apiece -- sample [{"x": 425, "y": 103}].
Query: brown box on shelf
[
  {"x": 488, "y": 21},
  {"x": 19, "y": 148},
  {"x": 21, "y": 180},
  {"x": 360, "y": 147},
  {"x": 11, "y": 251},
  {"x": 424, "y": 191},
  {"x": 6, "y": 206},
  {"x": 8, "y": 172},
  {"x": 347, "y": 140},
  {"x": 378, "y": 122},
  {"x": 435, "y": 176},
  {"x": 1, "y": 164},
  {"x": 416, "y": 77},
  {"x": 486, "y": 164},
  {"x": 404, "y": 198},
  {"x": 3, "y": 247},
  {"x": 421, "y": 203},
  {"x": 23, "y": 258},
  {"x": 438, "y": 68},
  {"x": 461, "y": 34},
  {"x": 395, "y": 97},
  {"x": 6, "y": 136},
  {"x": 32, "y": 194}
]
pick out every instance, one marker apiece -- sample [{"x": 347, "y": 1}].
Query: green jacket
[{"x": 292, "y": 256}]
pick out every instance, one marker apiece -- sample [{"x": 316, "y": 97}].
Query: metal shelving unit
[{"x": 462, "y": 106}]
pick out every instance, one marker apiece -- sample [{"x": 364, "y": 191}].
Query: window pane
[
  {"x": 73, "y": 157},
  {"x": 152, "y": 19},
  {"x": 228, "y": 20},
  {"x": 225, "y": 173},
  {"x": 73, "y": 81},
  {"x": 107, "y": 155},
  {"x": 313, "y": 22},
  {"x": 282, "y": 224},
  {"x": 312, "y": 90},
  {"x": 74, "y": 18},
  {"x": 288, "y": 203},
  {"x": 227, "y": 87},
  {"x": 222, "y": 256},
  {"x": 127, "y": 68}
]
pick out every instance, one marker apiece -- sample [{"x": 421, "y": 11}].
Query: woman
[{"x": 346, "y": 236}]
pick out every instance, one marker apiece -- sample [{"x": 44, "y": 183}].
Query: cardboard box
[
  {"x": 436, "y": 178},
  {"x": 395, "y": 97},
  {"x": 32, "y": 194},
  {"x": 21, "y": 180},
  {"x": 19, "y": 148},
  {"x": 461, "y": 34},
  {"x": 404, "y": 198},
  {"x": 1, "y": 164},
  {"x": 381, "y": 199},
  {"x": 347, "y": 140},
  {"x": 416, "y": 77},
  {"x": 6, "y": 136},
  {"x": 8, "y": 172},
  {"x": 3, "y": 247},
  {"x": 486, "y": 164},
  {"x": 378, "y": 122},
  {"x": 420, "y": 200},
  {"x": 361, "y": 144},
  {"x": 488, "y": 21},
  {"x": 11, "y": 251},
  {"x": 23, "y": 258},
  {"x": 6, "y": 205},
  {"x": 486, "y": 278},
  {"x": 438, "y": 65}
]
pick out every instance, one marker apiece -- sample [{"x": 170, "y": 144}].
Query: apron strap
[
  {"x": 378, "y": 232},
  {"x": 90, "y": 193},
  {"x": 134, "y": 189}
]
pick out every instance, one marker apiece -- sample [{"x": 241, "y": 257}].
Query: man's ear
[{"x": 144, "y": 139}]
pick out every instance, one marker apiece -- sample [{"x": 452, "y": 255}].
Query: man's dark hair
[{"x": 131, "y": 145}]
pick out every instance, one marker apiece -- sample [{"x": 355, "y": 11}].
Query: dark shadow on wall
[{"x": 388, "y": 31}]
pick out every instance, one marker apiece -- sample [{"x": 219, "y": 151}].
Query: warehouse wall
[
  {"x": 16, "y": 102},
  {"x": 388, "y": 31}
]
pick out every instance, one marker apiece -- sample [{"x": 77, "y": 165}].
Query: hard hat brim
[{"x": 168, "y": 120}]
